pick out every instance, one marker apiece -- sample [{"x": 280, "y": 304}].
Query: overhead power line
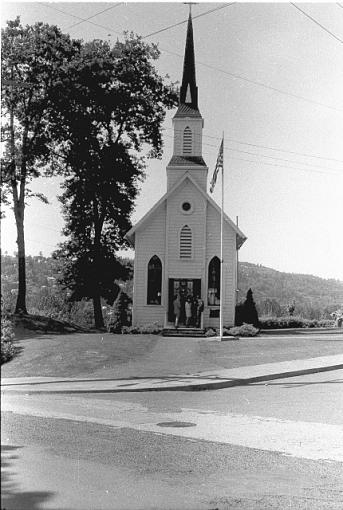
[
  {"x": 260, "y": 84},
  {"x": 312, "y": 168},
  {"x": 339, "y": 5},
  {"x": 281, "y": 166},
  {"x": 185, "y": 20},
  {"x": 228, "y": 73},
  {"x": 269, "y": 148},
  {"x": 82, "y": 19},
  {"x": 94, "y": 15},
  {"x": 317, "y": 23}
]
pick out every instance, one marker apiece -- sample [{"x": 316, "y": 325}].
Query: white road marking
[{"x": 296, "y": 438}]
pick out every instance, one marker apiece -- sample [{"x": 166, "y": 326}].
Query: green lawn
[{"x": 106, "y": 355}]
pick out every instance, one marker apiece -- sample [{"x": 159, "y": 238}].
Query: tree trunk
[
  {"x": 98, "y": 318},
  {"x": 21, "y": 298},
  {"x": 19, "y": 207}
]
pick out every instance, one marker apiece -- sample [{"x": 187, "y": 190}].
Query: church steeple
[
  {"x": 188, "y": 124},
  {"x": 189, "y": 90}
]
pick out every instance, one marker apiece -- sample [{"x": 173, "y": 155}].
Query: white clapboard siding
[
  {"x": 160, "y": 236},
  {"x": 186, "y": 267},
  {"x": 229, "y": 255},
  {"x": 150, "y": 240},
  {"x": 175, "y": 174}
]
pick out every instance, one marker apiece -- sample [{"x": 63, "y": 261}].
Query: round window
[{"x": 186, "y": 206}]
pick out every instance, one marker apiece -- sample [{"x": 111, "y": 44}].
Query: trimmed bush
[
  {"x": 8, "y": 350},
  {"x": 244, "y": 330},
  {"x": 294, "y": 322},
  {"x": 210, "y": 332},
  {"x": 148, "y": 329}
]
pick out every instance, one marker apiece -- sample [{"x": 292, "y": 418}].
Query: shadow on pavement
[{"x": 12, "y": 497}]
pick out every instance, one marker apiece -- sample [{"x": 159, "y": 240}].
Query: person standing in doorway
[
  {"x": 188, "y": 310},
  {"x": 177, "y": 309},
  {"x": 200, "y": 309}
]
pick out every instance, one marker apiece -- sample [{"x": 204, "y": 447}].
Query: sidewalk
[{"x": 207, "y": 380}]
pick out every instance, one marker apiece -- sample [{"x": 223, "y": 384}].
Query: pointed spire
[{"x": 189, "y": 90}]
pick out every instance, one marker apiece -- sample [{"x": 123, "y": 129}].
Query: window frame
[
  {"x": 151, "y": 282},
  {"x": 214, "y": 259}
]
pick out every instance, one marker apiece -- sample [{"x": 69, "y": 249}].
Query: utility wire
[
  {"x": 94, "y": 15},
  {"x": 339, "y": 5},
  {"x": 233, "y": 75},
  {"x": 82, "y": 19},
  {"x": 278, "y": 150},
  {"x": 317, "y": 23},
  {"x": 333, "y": 171},
  {"x": 281, "y": 166},
  {"x": 260, "y": 84},
  {"x": 185, "y": 20},
  {"x": 269, "y": 148}
]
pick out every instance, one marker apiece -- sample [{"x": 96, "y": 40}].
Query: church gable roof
[
  {"x": 187, "y": 161},
  {"x": 130, "y": 235}
]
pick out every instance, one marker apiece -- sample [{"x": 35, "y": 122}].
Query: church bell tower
[{"x": 188, "y": 124}]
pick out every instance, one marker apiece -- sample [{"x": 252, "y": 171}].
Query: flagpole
[{"x": 221, "y": 253}]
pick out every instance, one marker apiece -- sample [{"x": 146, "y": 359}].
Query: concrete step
[{"x": 191, "y": 332}]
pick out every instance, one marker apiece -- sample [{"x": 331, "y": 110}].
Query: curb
[{"x": 201, "y": 386}]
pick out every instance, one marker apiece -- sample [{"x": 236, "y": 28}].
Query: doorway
[{"x": 185, "y": 287}]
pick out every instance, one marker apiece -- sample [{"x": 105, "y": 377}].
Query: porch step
[{"x": 191, "y": 332}]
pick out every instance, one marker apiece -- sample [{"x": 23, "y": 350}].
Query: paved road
[{"x": 272, "y": 445}]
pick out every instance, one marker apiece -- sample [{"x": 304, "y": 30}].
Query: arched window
[
  {"x": 214, "y": 281},
  {"x": 154, "y": 281},
  {"x": 187, "y": 141},
  {"x": 186, "y": 243}
]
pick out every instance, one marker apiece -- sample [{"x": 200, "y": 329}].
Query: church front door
[{"x": 184, "y": 287}]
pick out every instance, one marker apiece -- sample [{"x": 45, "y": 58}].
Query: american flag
[{"x": 219, "y": 166}]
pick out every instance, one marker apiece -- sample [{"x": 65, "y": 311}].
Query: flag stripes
[{"x": 219, "y": 166}]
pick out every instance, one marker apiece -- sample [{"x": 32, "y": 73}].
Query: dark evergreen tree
[
  {"x": 120, "y": 316},
  {"x": 250, "y": 315},
  {"x": 239, "y": 314}
]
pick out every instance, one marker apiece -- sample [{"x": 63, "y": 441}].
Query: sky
[{"x": 271, "y": 79}]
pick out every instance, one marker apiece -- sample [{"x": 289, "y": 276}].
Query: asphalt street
[{"x": 272, "y": 445}]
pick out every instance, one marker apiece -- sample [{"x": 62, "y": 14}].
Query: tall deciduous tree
[
  {"x": 33, "y": 60},
  {"x": 117, "y": 102}
]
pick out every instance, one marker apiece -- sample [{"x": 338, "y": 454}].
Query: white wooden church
[{"x": 177, "y": 243}]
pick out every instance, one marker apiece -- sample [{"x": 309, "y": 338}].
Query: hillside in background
[
  {"x": 273, "y": 291},
  {"x": 313, "y": 297}
]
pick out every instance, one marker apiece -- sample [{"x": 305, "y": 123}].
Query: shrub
[
  {"x": 151, "y": 329},
  {"x": 128, "y": 330},
  {"x": 148, "y": 329},
  {"x": 244, "y": 330},
  {"x": 226, "y": 331},
  {"x": 210, "y": 332},
  {"x": 8, "y": 350},
  {"x": 293, "y": 322},
  {"x": 120, "y": 317}
]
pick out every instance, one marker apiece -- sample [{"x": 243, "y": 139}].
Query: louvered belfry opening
[
  {"x": 186, "y": 243},
  {"x": 187, "y": 141}
]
